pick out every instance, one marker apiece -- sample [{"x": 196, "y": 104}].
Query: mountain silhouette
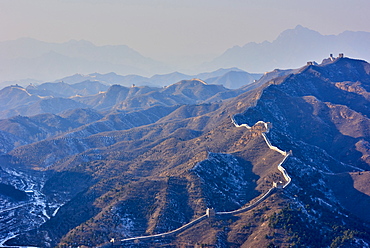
[{"x": 292, "y": 48}]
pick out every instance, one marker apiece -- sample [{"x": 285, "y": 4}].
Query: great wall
[{"x": 210, "y": 212}]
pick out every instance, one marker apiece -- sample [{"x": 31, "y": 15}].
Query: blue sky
[{"x": 171, "y": 29}]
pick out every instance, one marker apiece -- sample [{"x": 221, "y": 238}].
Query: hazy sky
[{"x": 169, "y": 29}]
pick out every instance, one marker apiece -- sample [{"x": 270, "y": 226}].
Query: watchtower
[
  {"x": 210, "y": 212},
  {"x": 278, "y": 185},
  {"x": 331, "y": 57}
]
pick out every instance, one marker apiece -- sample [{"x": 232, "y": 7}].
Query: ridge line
[{"x": 237, "y": 211}]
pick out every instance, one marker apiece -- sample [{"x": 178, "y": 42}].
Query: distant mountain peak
[
  {"x": 298, "y": 27},
  {"x": 188, "y": 83},
  {"x": 292, "y": 48},
  {"x": 45, "y": 61},
  {"x": 299, "y": 32}
]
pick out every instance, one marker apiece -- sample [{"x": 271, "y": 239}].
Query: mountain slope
[
  {"x": 157, "y": 177},
  {"x": 42, "y": 126},
  {"x": 123, "y": 98},
  {"x": 62, "y": 89},
  {"x": 326, "y": 107},
  {"x": 58, "y": 97},
  {"x": 15, "y": 96},
  {"x": 234, "y": 79}
]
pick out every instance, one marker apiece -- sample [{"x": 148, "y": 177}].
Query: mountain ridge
[
  {"x": 291, "y": 48},
  {"x": 27, "y": 57},
  {"x": 145, "y": 179}
]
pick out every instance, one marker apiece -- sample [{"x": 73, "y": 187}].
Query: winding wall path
[{"x": 209, "y": 212}]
